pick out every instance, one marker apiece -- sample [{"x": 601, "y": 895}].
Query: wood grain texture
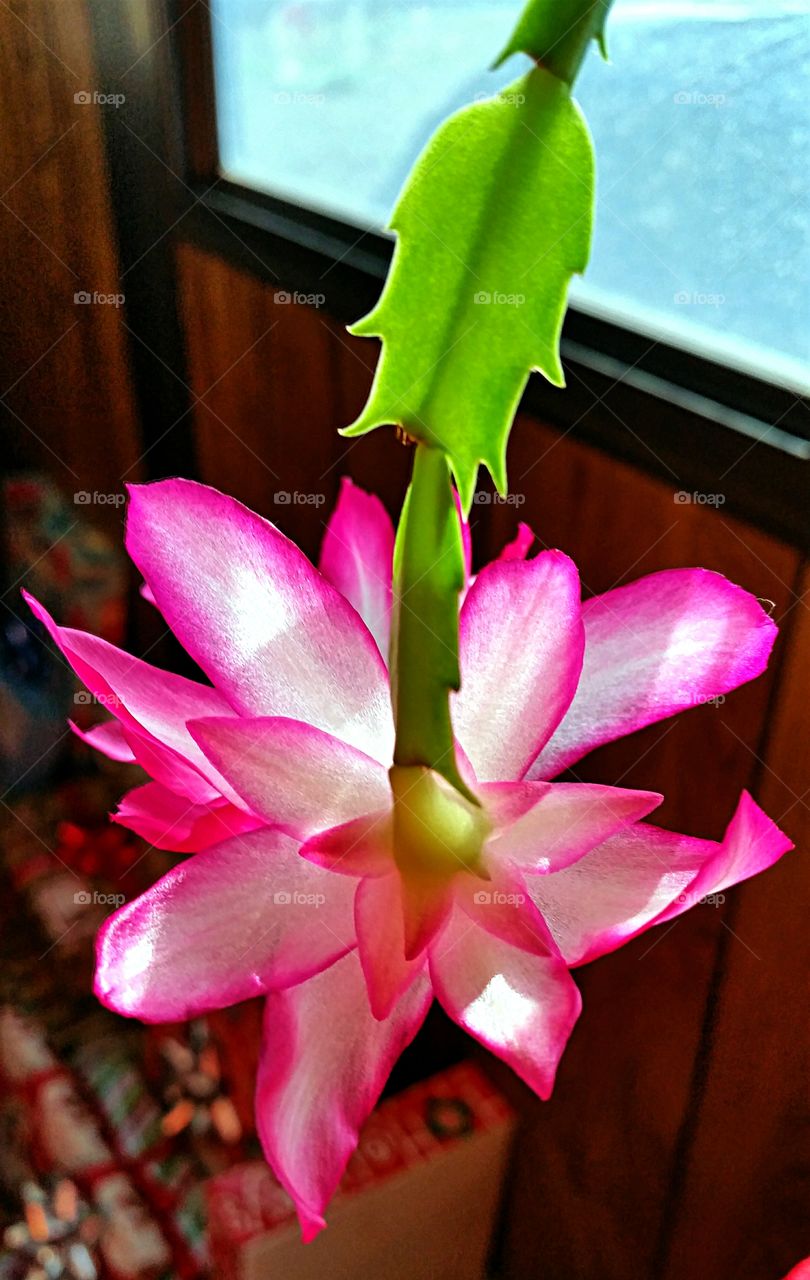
[
  {"x": 266, "y": 410},
  {"x": 67, "y": 400}
]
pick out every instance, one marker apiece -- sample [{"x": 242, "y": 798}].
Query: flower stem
[{"x": 428, "y": 577}]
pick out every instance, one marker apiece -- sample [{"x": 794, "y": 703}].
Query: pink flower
[{"x": 289, "y": 752}]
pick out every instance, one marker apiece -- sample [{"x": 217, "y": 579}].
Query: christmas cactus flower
[
  {"x": 349, "y": 890},
  {"x": 370, "y": 785}
]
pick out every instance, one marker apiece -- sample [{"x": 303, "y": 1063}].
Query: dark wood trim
[
  {"x": 192, "y": 49},
  {"x": 134, "y": 57}
]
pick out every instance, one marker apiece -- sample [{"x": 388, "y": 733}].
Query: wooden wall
[
  {"x": 66, "y": 399},
  {"x": 681, "y": 1088}
]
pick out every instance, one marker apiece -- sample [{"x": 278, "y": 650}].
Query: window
[{"x": 701, "y": 127}]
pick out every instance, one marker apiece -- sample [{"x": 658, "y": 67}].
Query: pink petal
[
  {"x": 752, "y": 843},
  {"x": 154, "y": 704},
  {"x": 107, "y": 738},
  {"x": 670, "y": 641},
  {"x": 325, "y": 1059},
  {"x": 521, "y": 544},
  {"x": 234, "y": 921},
  {"x": 565, "y": 822},
  {"x": 170, "y": 821},
  {"x": 521, "y": 650},
  {"x": 273, "y": 635},
  {"x": 379, "y": 922},
  {"x": 466, "y": 537},
  {"x": 361, "y": 847},
  {"x": 173, "y": 772},
  {"x": 502, "y": 906},
  {"x": 645, "y": 875},
  {"x": 426, "y": 904},
  {"x": 357, "y": 557},
  {"x": 519, "y": 1004},
  {"x": 294, "y": 775}
]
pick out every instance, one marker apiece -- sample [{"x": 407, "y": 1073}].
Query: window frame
[{"x": 684, "y": 417}]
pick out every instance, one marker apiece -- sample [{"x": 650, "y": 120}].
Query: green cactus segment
[
  {"x": 492, "y": 223},
  {"x": 557, "y": 35}
]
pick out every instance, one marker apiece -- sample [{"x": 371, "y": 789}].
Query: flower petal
[
  {"x": 670, "y": 641},
  {"x": 521, "y": 544},
  {"x": 294, "y": 775},
  {"x": 357, "y": 557},
  {"x": 232, "y": 922},
  {"x": 170, "y": 821},
  {"x": 645, "y": 875},
  {"x": 267, "y": 629},
  {"x": 565, "y": 822},
  {"x": 361, "y": 847},
  {"x": 154, "y": 704},
  {"x": 752, "y": 843},
  {"x": 519, "y": 1004},
  {"x": 108, "y": 738},
  {"x": 325, "y": 1060},
  {"x": 521, "y": 650},
  {"x": 379, "y": 921}
]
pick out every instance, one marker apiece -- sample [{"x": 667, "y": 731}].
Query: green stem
[
  {"x": 557, "y": 33},
  {"x": 428, "y": 577}
]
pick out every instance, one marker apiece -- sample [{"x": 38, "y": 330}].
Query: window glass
[{"x": 701, "y": 125}]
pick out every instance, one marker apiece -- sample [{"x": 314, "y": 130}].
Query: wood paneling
[{"x": 66, "y": 395}]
